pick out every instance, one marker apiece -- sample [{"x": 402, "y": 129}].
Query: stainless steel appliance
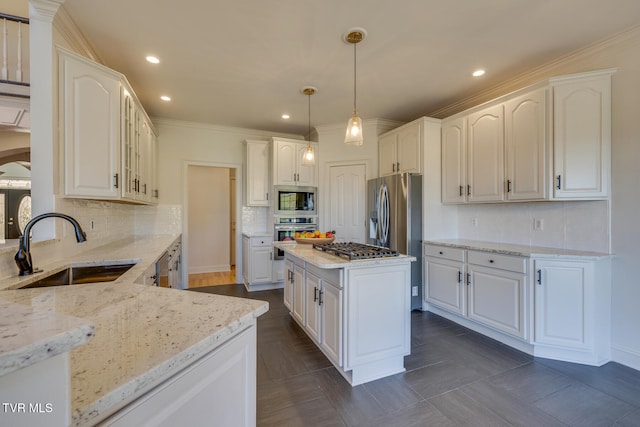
[
  {"x": 395, "y": 221},
  {"x": 285, "y": 228},
  {"x": 295, "y": 201},
  {"x": 354, "y": 251}
]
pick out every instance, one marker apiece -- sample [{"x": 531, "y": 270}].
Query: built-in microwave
[{"x": 293, "y": 201}]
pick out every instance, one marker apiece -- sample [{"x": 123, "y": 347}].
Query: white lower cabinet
[
  {"x": 218, "y": 389},
  {"x": 288, "y": 284},
  {"x": 559, "y": 311},
  {"x": 257, "y": 255}
]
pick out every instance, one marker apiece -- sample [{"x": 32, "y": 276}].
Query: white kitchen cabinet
[
  {"x": 287, "y": 163},
  {"x": 324, "y": 313},
  {"x": 582, "y": 135},
  {"x": 299, "y": 303},
  {"x": 454, "y": 161},
  {"x": 257, "y": 177},
  {"x": 288, "y": 284},
  {"x": 550, "y": 141},
  {"x": 490, "y": 289},
  {"x": 572, "y": 309},
  {"x": 220, "y": 386},
  {"x": 485, "y": 155},
  {"x": 525, "y": 144},
  {"x": 498, "y": 292},
  {"x": 90, "y": 132},
  {"x": 400, "y": 150},
  {"x": 258, "y": 260},
  {"x": 107, "y": 139}
]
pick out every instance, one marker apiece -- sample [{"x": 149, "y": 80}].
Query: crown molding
[
  {"x": 545, "y": 71},
  {"x": 44, "y": 10},
  {"x": 76, "y": 40}
]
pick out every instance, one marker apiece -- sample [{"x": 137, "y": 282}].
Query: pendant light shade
[
  {"x": 309, "y": 157},
  {"x": 354, "y": 135}
]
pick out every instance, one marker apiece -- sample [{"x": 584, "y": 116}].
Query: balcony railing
[{"x": 14, "y": 50}]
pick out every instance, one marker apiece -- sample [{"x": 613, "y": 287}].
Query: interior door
[
  {"x": 17, "y": 211},
  {"x": 347, "y": 202}
]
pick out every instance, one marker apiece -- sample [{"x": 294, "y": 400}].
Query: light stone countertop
[
  {"x": 251, "y": 234},
  {"x": 143, "y": 334},
  {"x": 518, "y": 250},
  {"x": 325, "y": 260}
]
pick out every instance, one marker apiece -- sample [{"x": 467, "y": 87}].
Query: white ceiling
[{"x": 243, "y": 63}]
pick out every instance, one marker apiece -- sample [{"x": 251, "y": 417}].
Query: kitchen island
[
  {"x": 152, "y": 354},
  {"x": 356, "y": 311}
]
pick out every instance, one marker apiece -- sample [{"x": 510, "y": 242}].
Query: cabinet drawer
[
  {"x": 261, "y": 241},
  {"x": 454, "y": 254},
  {"x": 504, "y": 262}
]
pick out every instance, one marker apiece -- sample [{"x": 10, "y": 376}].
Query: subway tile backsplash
[{"x": 581, "y": 225}]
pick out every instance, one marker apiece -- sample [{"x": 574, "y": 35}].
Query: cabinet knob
[
  {"x": 491, "y": 261},
  {"x": 441, "y": 252}
]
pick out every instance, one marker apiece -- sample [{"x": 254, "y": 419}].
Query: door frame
[
  {"x": 184, "y": 280},
  {"x": 325, "y": 197}
]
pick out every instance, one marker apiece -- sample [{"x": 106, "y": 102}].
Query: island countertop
[
  {"x": 143, "y": 334},
  {"x": 320, "y": 259}
]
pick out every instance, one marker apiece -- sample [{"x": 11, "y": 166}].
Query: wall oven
[
  {"x": 295, "y": 201},
  {"x": 285, "y": 229}
]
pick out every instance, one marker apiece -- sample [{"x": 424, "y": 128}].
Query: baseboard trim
[{"x": 625, "y": 356}]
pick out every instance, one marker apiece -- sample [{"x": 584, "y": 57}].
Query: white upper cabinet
[
  {"x": 454, "y": 161},
  {"x": 525, "y": 143},
  {"x": 551, "y": 141},
  {"x": 257, "y": 181},
  {"x": 108, "y": 141},
  {"x": 582, "y": 136},
  {"x": 400, "y": 150},
  {"x": 287, "y": 163},
  {"x": 485, "y": 155},
  {"x": 90, "y": 110}
]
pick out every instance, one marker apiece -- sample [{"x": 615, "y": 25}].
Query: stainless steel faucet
[{"x": 23, "y": 257}]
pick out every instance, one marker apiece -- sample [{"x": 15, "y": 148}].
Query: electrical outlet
[
  {"x": 414, "y": 291},
  {"x": 538, "y": 224},
  {"x": 474, "y": 222}
]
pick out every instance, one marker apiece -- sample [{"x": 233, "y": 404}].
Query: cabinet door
[
  {"x": 409, "y": 150},
  {"x": 444, "y": 284},
  {"x": 144, "y": 161},
  {"x": 562, "y": 298},
  {"x": 387, "y": 151},
  {"x": 454, "y": 161},
  {"x": 261, "y": 261},
  {"x": 129, "y": 146},
  {"x": 91, "y": 129},
  {"x": 285, "y": 163},
  {"x": 497, "y": 299},
  {"x": 312, "y": 308},
  {"x": 298, "y": 294},
  {"x": 582, "y": 137},
  {"x": 525, "y": 142},
  {"x": 306, "y": 174},
  {"x": 331, "y": 327},
  {"x": 288, "y": 285},
  {"x": 257, "y": 185},
  {"x": 485, "y": 155}
]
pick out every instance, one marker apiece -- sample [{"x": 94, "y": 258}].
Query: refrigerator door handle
[{"x": 383, "y": 214}]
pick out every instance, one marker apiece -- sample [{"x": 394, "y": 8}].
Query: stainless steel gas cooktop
[{"x": 354, "y": 251}]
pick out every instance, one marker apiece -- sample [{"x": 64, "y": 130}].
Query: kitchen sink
[{"x": 76, "y": 275}]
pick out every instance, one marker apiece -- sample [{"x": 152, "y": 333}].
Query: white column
[{"x": 41, "y": 14}]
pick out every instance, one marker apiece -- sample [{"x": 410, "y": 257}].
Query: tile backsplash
[{"x": 581, "y": 225}]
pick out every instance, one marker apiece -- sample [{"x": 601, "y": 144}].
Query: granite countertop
[
  {"x": 328, "y": 261},
  {"x": 518, "y": 250},
  {"x": 257, "y": 234},
  {"x": 134, "y": 336}
]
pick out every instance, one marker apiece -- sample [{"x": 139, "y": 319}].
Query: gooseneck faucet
[{"x": 23, "y": 257}]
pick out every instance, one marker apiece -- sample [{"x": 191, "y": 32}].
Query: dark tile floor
[{"x": 454, "y": 377}]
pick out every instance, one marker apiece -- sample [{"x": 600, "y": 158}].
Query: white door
[{"x": 347, "y": 200}]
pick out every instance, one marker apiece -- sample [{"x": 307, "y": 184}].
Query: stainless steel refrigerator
[{"x": 395, "y": 221}]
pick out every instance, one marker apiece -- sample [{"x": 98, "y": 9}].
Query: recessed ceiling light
[
  {"x": 165, "y": 98},
  {"x": 478, "y": 73},
  {"x": 153, "y": 59},
  {"x": 286, "y": 116}
]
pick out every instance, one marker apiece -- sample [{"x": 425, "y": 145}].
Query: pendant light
[
  {"x": 354, "y": 135},
  {"x": 309, "y": 158}
]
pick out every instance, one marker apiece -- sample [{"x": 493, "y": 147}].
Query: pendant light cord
[
  {"x": 309, "y": 128},
  {"x": 354, "y": 77}
]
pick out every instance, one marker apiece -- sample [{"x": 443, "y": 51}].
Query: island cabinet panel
[
  {"x": 288, "y": 284},
  {"x": 218, "y": 389}
]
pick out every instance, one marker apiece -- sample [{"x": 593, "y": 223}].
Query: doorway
[{"x": 211, "y": 219}]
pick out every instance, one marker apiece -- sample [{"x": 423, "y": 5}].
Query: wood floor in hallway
[
  {"x": 217, "y": 278},
  {"x": 454, "y": 377}
]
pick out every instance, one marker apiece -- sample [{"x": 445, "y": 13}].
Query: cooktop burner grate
[{"x": 354, "y": 251}]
